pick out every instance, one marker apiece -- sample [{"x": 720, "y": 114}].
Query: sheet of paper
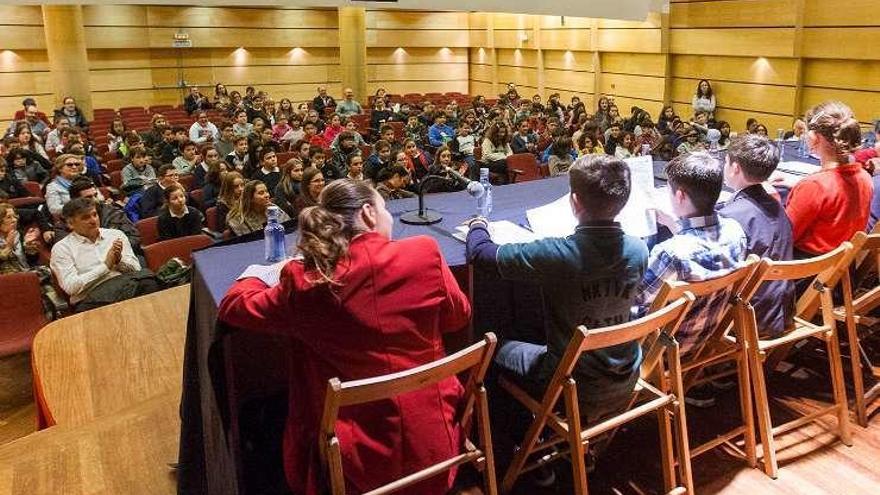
[
  {"x": 784, "y": 178},
  {"x": 269, "y": 274},
  {"x": 553, "y": 219},
  {"x": 637, "y": 217},
  {"x": 796, "y": 167},
  {"x": 502, "y": 232}
]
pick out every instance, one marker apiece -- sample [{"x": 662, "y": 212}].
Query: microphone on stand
[{"x": 425, "y": 216}]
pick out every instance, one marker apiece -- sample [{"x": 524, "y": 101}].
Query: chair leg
[
  {"x": 667, "y": 451},
  {"x": 519, "y": 459},
  {"x": 837, "y": 383},
  {"x": 745, "y": 400},
  {"x": 681, "y": 431},
  {"x": 489, "y": 481},
  {"x": 577, "y": 454},
  {"x": 762, "y": 405},
  {"x": 854, "y": 354}
]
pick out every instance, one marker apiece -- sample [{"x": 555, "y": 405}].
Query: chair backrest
[
  {"x": 198, "y": 197},
  {"x": 527, "y": 163},
  {"x": 211, "y": 218},
  {"x": 186, "y": 181},
  {"x": 666, "y": 321},
  {"x": 182, "y": 247},
  {"x": 865, "y": 261},
  {"x": 149, "y": 230},
  {"x": 22, "y": 310},
  {"x": 475, "y": 358},
  {"x": 824, "y": 270},
  {"x": 731, "y": 285},
  {"x": 116, "y": 179},
  {"x": 115, "y": 164}
]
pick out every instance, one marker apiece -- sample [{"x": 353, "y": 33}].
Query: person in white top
[
  {"x": 203, "y": 131},
  {"x": 89, "y": 256}
]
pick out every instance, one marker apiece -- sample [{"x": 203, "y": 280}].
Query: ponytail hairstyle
[
  {"x": 325, "y": 230},
  {"x": 835, "y": 122}
]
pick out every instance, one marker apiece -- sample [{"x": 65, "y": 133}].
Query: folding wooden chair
[
  {"x": 718, "y": 346},
  {"x": 475, "y": 359},
  {"x": 822, "y": 270},
  {"x": 566, "y": 428},
  {"x": 859, "y": 301}
]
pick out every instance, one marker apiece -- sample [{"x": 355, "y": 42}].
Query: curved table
[
  {"x": 127, "y": 453},
  {"x": 99, "y": 362}
]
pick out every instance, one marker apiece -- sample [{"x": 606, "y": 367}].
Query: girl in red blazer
[{"x": 358, "y": 305}]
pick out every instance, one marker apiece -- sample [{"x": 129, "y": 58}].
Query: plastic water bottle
[
  {"x": 803, "y": 149},
  {"x": 646, "y": 149},
  {"x": 484, "y": 202},
  {"x": 780, "y": 140},
  {"x": 274, "y": 236}
]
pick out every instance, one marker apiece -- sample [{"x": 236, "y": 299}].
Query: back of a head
[
  {"x": 835, "y": 122},
  {"x": 756, "y": 155},
  {"x": 79, "y": 185},
  {"x": 601, "y": 183},
  {"x": 700, "y": 176},
  {"x": 325, "y": 230}
]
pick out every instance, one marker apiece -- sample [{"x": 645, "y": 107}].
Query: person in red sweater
[
  {"x": 826, "y": 208},
  {"x": 359, "y": 305}
]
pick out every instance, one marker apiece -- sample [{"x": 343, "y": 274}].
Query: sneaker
[
  {"x": 543, "y": 476},
  {"x": 702, "y": 397}
]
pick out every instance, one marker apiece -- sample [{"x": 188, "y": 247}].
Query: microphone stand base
[{"x": 413, "y": 218}]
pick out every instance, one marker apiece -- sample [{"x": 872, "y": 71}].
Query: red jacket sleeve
[
  {"x": 251, "y": 305},
  {"x": 455, "y": 311}
]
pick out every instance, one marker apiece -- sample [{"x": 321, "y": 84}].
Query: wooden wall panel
[
  {"x": 568, "y": 60},
  {"x": 418, "y": 38},
  {"x": 395, "y": 19},
  {"x": 629, "y": 40},
  {"x": 481, "y": 73},
  {"x": 414, "y": 55},
  {"x": 417, "y": 72},
  {"x": 634, "y": 63},
  {"x": 257, "y": 18},
  {"x": 762, "y": 70},
  {"x": 624, "y": 103},
  {"x": 479, "y": 87},
  {"x": 843, "y": 74},
  {"x": 115, "y": 15},
  {"x": 754, "y": 13},
  {"x": 23, "y": 38},
  {"x": 21, "y": 84},
  {"x": 641, "y": 87},
  {"x": 394, "y": 87},
  {"x": 517, "y": 57},
  {"x": 23, "y": 61},
  {"x": 838, "y": 13},
  {"x": 21, "y": 15},
  {"x": 525, "y": 76},
  {"x": 842, "y": 42},
  {"x": 768, "y": 42},
  {"x": 865, "y": 104},
  {"x": 566, "y": 39},
  {"x": 576, "y": 82}
]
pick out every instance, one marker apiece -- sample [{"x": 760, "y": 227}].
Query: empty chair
[
  {"x": 34, "y": 188},
  {"x": 22, "y": 310},
  {"x": 116, "y": 179},
  {"x": 474, "y": 359},
  {"x": 861, "y": 296},
  {"x": 523, "y": 167},
  {"x": 160, "y": 252}
]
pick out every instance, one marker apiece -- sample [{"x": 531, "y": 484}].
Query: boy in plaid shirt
[{"x": 703, "y": 246}]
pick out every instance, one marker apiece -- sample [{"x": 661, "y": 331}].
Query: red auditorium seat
[
  {"x": 116, "y": 178},
  {"x": 22, "y": 310},
  {"x": 526, "y": 164},
  {"x": 182, "y": 247},
  {"x": 34, "y": 188},
  {"x": 211, "y": 218},
  {"x": 198, "y": 197},
  {"x": 149, "y": 230}
]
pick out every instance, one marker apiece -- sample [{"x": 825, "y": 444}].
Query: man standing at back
[
  {"x": 322, "y": 101},
  {"x": 348, "y": 106}
]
